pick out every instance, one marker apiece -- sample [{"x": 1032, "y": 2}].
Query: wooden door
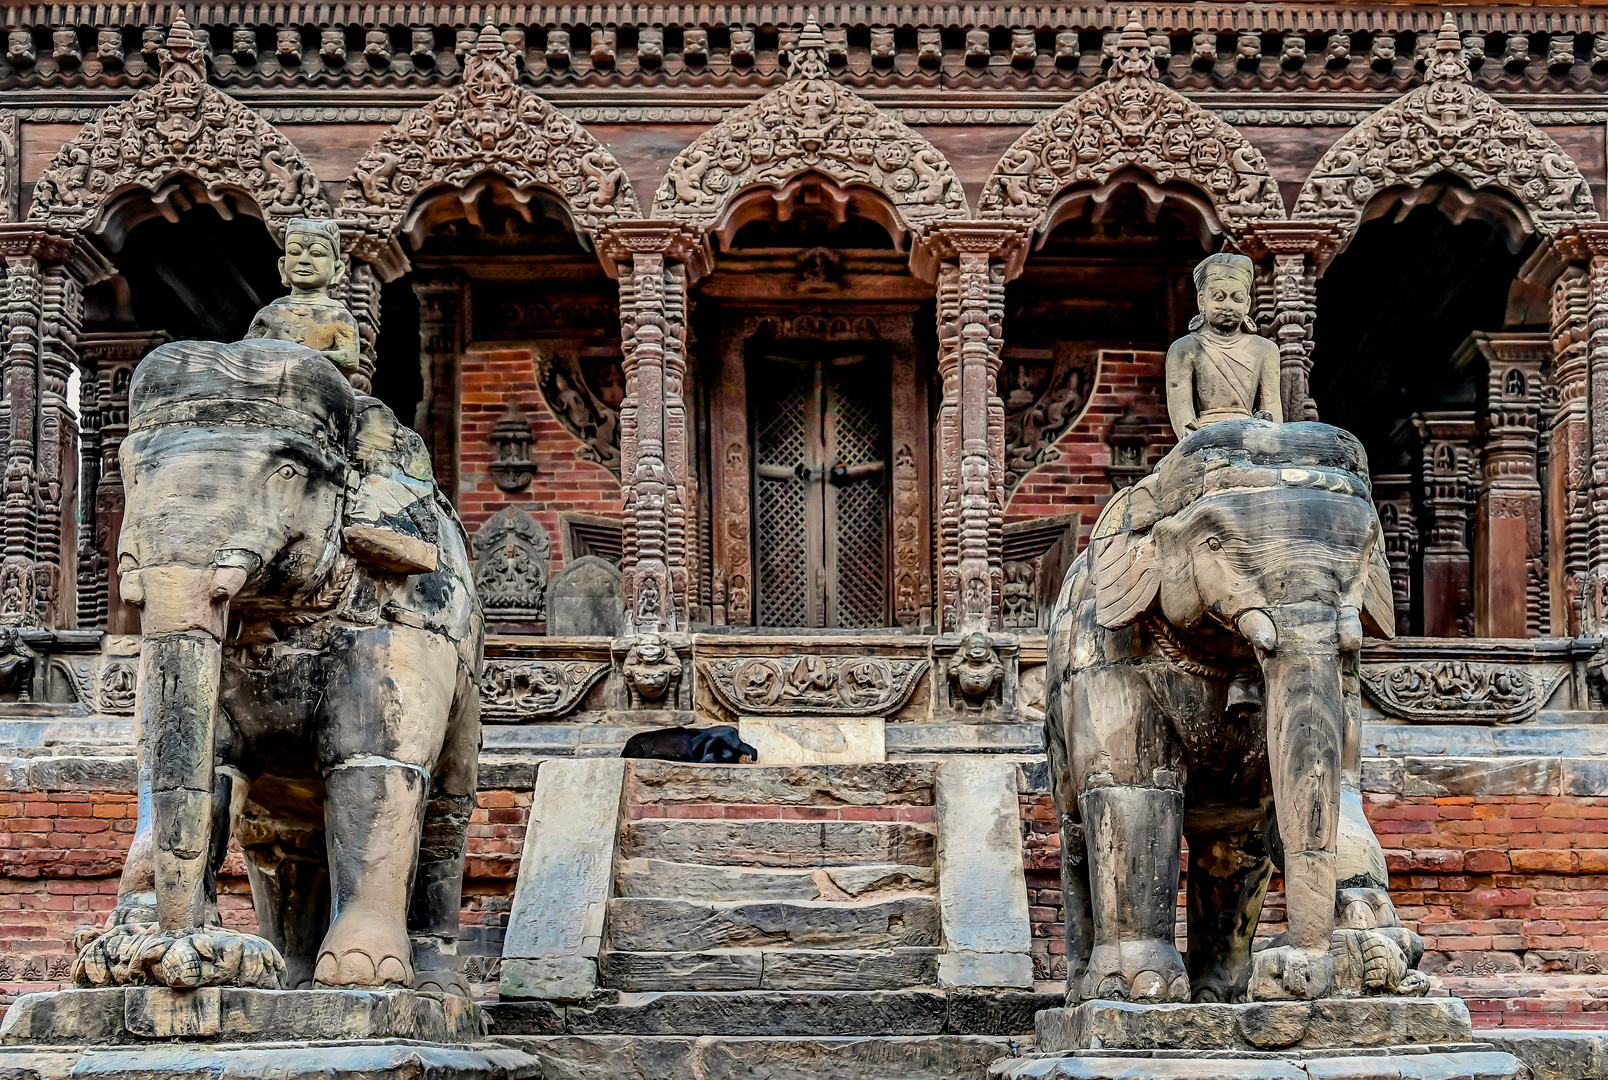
[{"x": 820, "y": 490}]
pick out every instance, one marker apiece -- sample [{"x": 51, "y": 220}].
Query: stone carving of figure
[
  {"x": 1221, "y": 369},
  {"x": 309, "y": 315},
  {"x": 976, "y": 672},
  {"x": 652, "y": 671}
]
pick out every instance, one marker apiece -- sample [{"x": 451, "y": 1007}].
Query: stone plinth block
[
  {"x": 1470, "y": 1062},
  {"x": 981, "y": 888},
  {"x": 1262, "y": 1025},
  {"x": 203, "y": 1061},
  {"x": 815, "y": 740},
  {"x": 133, "y": 1014}
]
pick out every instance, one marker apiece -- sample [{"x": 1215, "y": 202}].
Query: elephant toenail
[
  {"x": 1179, "y": 991},
  {"x": 1147, "y": 986},
  {"x": 1112, "y": 989},
  {"x": 392, "y": 971}
]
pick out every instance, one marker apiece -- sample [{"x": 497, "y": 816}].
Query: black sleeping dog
[{"x": 709, "y": 746}]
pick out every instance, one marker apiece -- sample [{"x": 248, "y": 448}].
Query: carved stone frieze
[
  {"x": 810, "y": 123},
  {"x": 1131, "y": 120},
  {"x": 810, "y": 684},
  {"x": 512, "y": 560},
  {"x": 1044, "y": 396},
  {"x": 1452, "y": 691},
  {"x": 179, "y": 126},
  {"x": 1447, "y": 125},
  {"x": 487, "y": 123},
  {"x": 514, "y": 690},
  {"x": 118, "y": 681},
  {"x": 585, "y": 399}
]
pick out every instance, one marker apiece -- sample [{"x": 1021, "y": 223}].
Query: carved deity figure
[
  {"x": 1221, "y": 370},
  {"x": 976, "y": 672},
  {"x": 309, "y": 315}
]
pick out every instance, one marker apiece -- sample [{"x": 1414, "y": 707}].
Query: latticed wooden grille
[{"x": 783, "y": 411}]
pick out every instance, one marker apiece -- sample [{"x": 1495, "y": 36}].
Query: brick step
[
  {"x": 883, "y": 783},
  {"x": 641, "y": 924},
  {"x": 771, "y": 969},
  {"x": 669, "y": 1057},
  {"x": 780, "y": 843},
  {"x": 779, "y": 1014},
  {"x": 656, "y": 877}
]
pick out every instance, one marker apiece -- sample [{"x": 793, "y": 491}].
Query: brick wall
[{"x": 1077, "y": 482}]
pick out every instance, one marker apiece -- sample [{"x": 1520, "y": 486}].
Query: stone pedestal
[
  {"x": 1334, "y": 1039},
  {"x": 224, "y": 1032}
]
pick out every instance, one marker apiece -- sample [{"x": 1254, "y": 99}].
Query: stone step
[
  {"x": 639, "y": 924},
  {"x": 780, "y": 843},
  {"x": 772, "y": 969},
  {"x": 669, "y": 1057},
  {"x": 883, "y": 783},
  {"x": 656, "y": 877}
]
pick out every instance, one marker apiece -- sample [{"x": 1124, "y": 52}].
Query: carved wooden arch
[
  {"x": 810, "y": 124},
  {"x": 179, "y": 134},
  {"x": 1447, "y": 126},
  {"x": 1131, "y": 121},
  {"x": 487, "y": 124}
]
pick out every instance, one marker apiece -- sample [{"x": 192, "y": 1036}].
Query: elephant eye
[
  {"x": 287, "y": 472},
  {"x": 1214, "y": 543}
]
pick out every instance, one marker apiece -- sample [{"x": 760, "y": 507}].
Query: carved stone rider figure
[
  {"x": 309, "y": 315},
  {"x": 1221, "y": 369}
]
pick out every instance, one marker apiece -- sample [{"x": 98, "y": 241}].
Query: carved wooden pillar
[
  {"x": 370, "y": 260},
  {"x": 1296, "y": 251},
  {"x": 108, "y": 361},
  {"x": 971, "y": 262},
  {"x": 1508, "y": 569},
  {"x": 443, "y": 334},
  {"x": 1393, "y": 499},
  {"x": 1446, "y": 469},
  {"x": 655, "y": 262},
  {"x": 46, "y": 271}
]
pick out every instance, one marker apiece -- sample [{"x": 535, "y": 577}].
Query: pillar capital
[
  {"x": 383, "y": 252},
  {"x": 1579, "y": 243},
  {"x": 947, "y": 241},
  {"x": 621, "y": 241},
  {"x": 54, "y": 245},
  {"x": 1318, "y": 240}
]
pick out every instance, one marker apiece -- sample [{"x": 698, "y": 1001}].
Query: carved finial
[
  {"x": 181, "y": 57},
  {"x": 1449, "y": 62},
  {"x": 808, "y": 58},
  {"x": 1134, "y": 55},
  {"x": 180, "y": 41},
  {"x": 490, "y": 42}
]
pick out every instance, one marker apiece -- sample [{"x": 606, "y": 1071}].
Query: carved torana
[
  {"x": 1460, "y": 691},
  {"x": 511, "y": 691},
  {"x": 512, "y": 560},
  {"x": 810, "y": 684}
]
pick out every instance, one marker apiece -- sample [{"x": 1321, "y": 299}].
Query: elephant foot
[
  {"x": 1143, "y": 972},
  {"x": 132, "y": 953},
  {"x": 362, "y": 949},
  {"x": 441, "y": 981},
  {"x": 1377, "y": 962},
  {"x": 1288, "y": 973}
]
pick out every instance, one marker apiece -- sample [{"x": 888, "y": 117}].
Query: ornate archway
[
  {"x": 175, "y": 138},
  {"x": 1447, "y": 125},
  {"x": 487, "y": 124},
  {"x": 1131, "y": 121},
  {"x": 810, "y": 124}
]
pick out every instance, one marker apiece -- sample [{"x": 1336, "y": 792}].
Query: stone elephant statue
[
  {"x": 1202, "y": 683},
  {"x": 308, "y": 683}
]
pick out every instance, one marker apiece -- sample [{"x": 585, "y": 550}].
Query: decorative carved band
[
  {"x": 1461, "y": 691},
  {"x": 536, "y": 689},
  {"x": 813, "y": 685}
]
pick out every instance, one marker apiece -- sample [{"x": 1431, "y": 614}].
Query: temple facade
[{"x": 779, "y": 361}]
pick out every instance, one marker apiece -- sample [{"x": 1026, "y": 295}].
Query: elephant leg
[
  {"x": 436, "y": 906},
  {"x": 1228, "y": 876},
  {"x": 289, "y": 873},
  {"x": 228, "y": 796},
  {"x": 1133, "y": 836},
  {"x": 1077, "y": 904}
]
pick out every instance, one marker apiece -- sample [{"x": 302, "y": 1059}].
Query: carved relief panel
[{"x": 512, "y": 559}]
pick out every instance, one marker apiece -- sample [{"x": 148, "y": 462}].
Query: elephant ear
[
  {"x": 1378, "y": 599},
  {"x": 1123, "y": 556}
]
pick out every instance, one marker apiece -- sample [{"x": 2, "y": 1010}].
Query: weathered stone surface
[
  {"x": 815, "y": 740},
  {"x": 656, "y": 877},
  {"x": 981, "y": 888},
  {"x": 902, "y": 1012},
  {"x": 1268, "y": 1025},
  {"x": 565, "y": 874},
  {"x": 871, "y": 969},
  {"x": 609, "y": 1057},
  {"x": 654, "y": 925},
  {"x": 1399, "y": 1063},
  {"x": 733, "y": 969},
  {"x": 1555, "y": 1055},
  {"x": 997, "y": 1012},
  {"x": 1481, "y": 776},
  {"x": 585, "y": 600},
  {"x": 353, "y": 1062},
  {"x": 161, "y": 1013},
  {"x": 34, "y": 1064},
  {"x": 781, "y": 843},
  {"x": 83, "y": 1016},
  {"x": 83, "y": 774},
  {"x": 550, "y": 978},
  {"x": 524, "y": 1018},
  {"x": 882, "y": 783}
]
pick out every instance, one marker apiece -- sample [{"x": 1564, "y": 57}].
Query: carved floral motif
[
  {"x": 1447, "y": 125},
  {"x": 1460, "y": 691},
  {"x": 1131, "y": 121},
  {"x": 488, "y": 123},
  {"x": 810, "y": 124},
  {"x": 812, "y": 685},
  {"x": 180, "y": 125},
  {"x": 535, "y": 689}
]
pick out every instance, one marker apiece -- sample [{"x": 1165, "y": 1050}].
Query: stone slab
[
  {"x": 1263, "y": 1025},
  {"x": 731, "y": 969},
  {"x": 1404, "y": 1063},
  {"x": 585, "y": 599},
  {"x": 1555, "y": 1055},
  {"x": 997, "y": 1012},
  {"x": 981, "y": 886},
  {"x": 659, "y": 878},
  {"x": 776, "y": 1013},
  {"x": 639, "y": 924},
  {"x": 367, "y": 1061},
  {"x": 550, "y": 978},
  {"x": 881, "y": 783},
  {"x": 862, "y": 969},
  {"x": 815, "y": 740},
  {"x": 781, "y": 843},
  {"x": 566, "y": 872},
  {"x": 122, "y": 1015}
]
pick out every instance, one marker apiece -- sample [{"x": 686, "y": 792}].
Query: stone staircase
[{"x": 779, "y": 922}]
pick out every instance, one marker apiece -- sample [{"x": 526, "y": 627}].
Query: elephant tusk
[
  {"x": 1350, "y": 627},
  {"x": 1259, "y": 630}
]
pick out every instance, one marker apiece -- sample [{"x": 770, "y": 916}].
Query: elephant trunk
[
  {"x": 184, "y": 614},
  {"x": 1305, "y": 739}
]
